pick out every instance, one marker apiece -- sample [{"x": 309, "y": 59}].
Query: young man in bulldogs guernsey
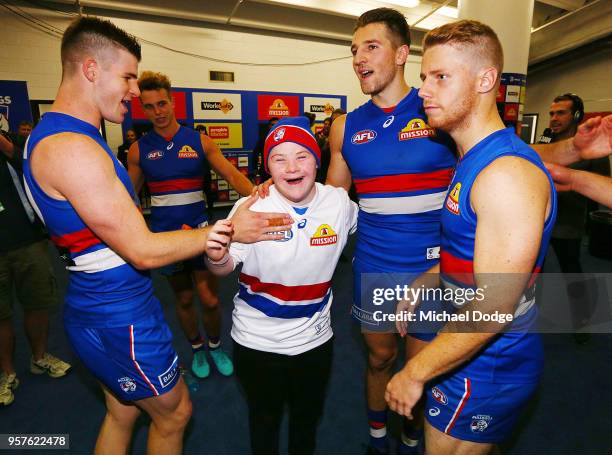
[
  {"x": 479, "y": 375},
  {"x": 281, "y": 321},
  {"x": 84, "y": 196},
  {"x": 401, "y": 167},
  {"x": 173, "y": 161}
]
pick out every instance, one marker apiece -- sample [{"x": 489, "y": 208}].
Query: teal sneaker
[
  {"x": 199, "y": 365},
  {"x": 222, "y": 362}
]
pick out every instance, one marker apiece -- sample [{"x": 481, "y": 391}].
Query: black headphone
[{"x": 577, "y": 106}]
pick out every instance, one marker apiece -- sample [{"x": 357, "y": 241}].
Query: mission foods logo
[
  {"x": 416, "y": 128},
  {"x": 363, "y": 137},
  {"x": 278, "y": 108},
  {"x": 327, "y": 108},
  {"x": 452, "y": 201},
  {"x": 224, "y": 106},
  {"x": 324, "y": 235},
  {"x": 187, "y": 152}
]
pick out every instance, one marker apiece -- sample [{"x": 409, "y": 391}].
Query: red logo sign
[
  {"x": 218, "y": 132},
  {"x": 269, "y": 106}
]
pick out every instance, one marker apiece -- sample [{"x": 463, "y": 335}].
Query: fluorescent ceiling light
[
  {"x": 448, "y": 11},
  {"x": 406, "y": 3}
]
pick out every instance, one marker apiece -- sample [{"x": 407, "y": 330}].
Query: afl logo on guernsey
[
  {"x": 155, "y": 155},
  {"x": 452, "y": 201},
  {"x": 416, "y": 128},
  {"x": 363, "y": 137},
  {"x": 324, "y": 235}
]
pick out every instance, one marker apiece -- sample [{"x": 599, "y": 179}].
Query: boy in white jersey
[{"x": 281, "y": 321}]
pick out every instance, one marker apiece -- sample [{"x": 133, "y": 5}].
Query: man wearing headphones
[{"x": 566, "y": 113}]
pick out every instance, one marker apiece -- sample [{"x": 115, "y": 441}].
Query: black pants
[
  {"x": 581, "y": 304},
  {"x": 272, "y": 380}
]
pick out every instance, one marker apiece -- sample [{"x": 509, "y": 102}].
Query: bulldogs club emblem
[
  {"x": 127, "y": 384},
  {"x": 279, "y": 134}
]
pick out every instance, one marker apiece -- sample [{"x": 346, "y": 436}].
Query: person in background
[
  {"x": 25, "y": 267},
  {"x": 130, "y": 138}
]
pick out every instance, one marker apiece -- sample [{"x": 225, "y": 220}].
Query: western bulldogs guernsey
[
  {"x": 174, "y": 171},
  {"x": 401, "y": 169},
  {"x": 513, "y": 356},
  {"x": 285, "y": 291},
  {"x": 482, "y": 400},
  {"x": 104, "y": 291}
]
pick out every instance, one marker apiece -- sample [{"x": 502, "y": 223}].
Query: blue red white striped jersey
[
  {"x": 283, "y": 303},
  {"x": 104, "y": 290},
  {"x": 401, "y": 169},
  {"x": 174, "y": 170},
  {"x": 512, "y": 356}
]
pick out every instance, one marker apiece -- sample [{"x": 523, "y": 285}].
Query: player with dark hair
[{"x": 86, "y": 200}]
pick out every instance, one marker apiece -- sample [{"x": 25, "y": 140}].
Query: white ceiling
[{"x": 558, "y": 25}]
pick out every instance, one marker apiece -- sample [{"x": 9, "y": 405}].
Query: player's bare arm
[
  {"x": 593, "y": 140},
  {"x": 223, "y": 167},
  {"x": 339, "y": 173},
  {"x": 134, "y": 171},
  {"x": 594, "y": 186},
  {"x": 6, "y": 147},
  {"x": 508, "y": 237},
  {"x": 111, "y": 214}
]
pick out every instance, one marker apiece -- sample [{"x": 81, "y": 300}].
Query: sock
[
  {"x": 197, "y": 343},
  {"x": 410, "y": 438},
  {"x": 378, "y": 429},
  {"x": 214, "y": 343}
]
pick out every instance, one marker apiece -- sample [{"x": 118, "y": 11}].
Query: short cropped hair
[
  {"x": 26, "y": 123},
  {"x": 469, "y": 33},
  {"x": 394, "y": 20},
  {"x": 150, "y": 80},
  {"x": 89, "y": 34}
]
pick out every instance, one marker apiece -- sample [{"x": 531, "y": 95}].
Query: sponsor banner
[
  {"x": 222, "y": 185},
  {"x": 501, "y": 93},
  {"x": 223, "y": 196},
  {"x": 14, "y": 105},
  {"x": 511, "y": 111},
  {"x": 513, "y": 79},
  {"x": 513, "y": 93},
  {"x": 225, "y": 135},
  {"x": 217, "y": 106},
  {"x": 269, "y": 106},
  {"x": 233, "y": 195},
  {"x": 180, "y": 107},
  {"x": 321, "y": 107}
]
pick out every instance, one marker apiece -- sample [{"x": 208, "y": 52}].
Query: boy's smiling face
[{"x": 293, "y": 169}]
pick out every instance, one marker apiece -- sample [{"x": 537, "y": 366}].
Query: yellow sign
[{"x": 225, "y": 135}]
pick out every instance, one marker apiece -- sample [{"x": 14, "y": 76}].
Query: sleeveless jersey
[
  {"x": 283, "y": 303},
  {"x": 401, "y": 169},
  {"x": 104, "y": 290},
  {"x": 514, "y": 356},
  {"x": 174, "y": 171}
]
